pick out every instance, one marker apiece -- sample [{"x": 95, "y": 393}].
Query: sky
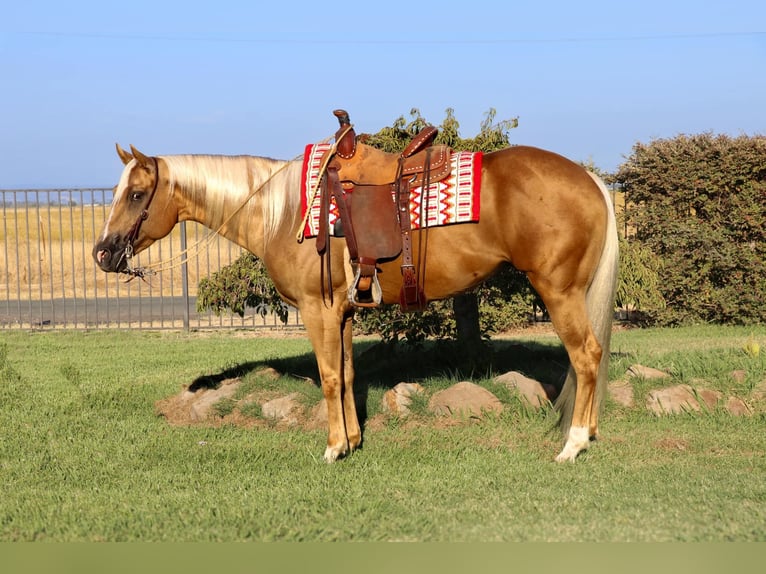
[{"x": 585, "y": 79}]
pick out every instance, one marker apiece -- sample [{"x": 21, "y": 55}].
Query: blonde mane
[{"x": 220, "y": 187}]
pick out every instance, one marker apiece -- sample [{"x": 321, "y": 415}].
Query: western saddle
[{"x": 371, "y": 189}]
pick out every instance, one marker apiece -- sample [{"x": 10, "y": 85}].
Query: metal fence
[{"x": 48, "y": 278}]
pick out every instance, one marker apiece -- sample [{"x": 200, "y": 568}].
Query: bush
[
  {"x": 505, "y": 301},
  {"x": 697, "y": 203},
  {"x": 638, "y": 283},
  {"x": 244, "y": 283}
]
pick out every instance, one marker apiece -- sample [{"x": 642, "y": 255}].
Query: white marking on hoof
[
  {"x": 332, "y": 454},
  {"x": 577, "y": 442}
]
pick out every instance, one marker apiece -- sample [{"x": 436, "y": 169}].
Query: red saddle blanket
[{"x": 455, "y": 199}]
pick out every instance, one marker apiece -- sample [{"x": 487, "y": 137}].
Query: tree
[{"x": 697, "y": 203}]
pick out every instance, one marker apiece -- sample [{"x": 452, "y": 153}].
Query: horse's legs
[
  {"x": 353, "y": 431},
  {"x": 324, "y": 326},
  {"x": 569, "y": 316}
]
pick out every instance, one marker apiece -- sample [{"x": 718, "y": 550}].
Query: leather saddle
[{"x": 371, "y": 189}]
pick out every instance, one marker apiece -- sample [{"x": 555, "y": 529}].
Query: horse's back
[
  {"x": 537, "y": 209},
  {"x": 524, "y": 173}
]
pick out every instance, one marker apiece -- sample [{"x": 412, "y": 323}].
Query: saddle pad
[{"x": 455, "y": 199}]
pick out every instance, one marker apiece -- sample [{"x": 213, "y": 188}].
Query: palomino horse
[{"x": 540, "y": 212}]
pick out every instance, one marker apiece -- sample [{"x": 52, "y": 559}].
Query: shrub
[
  {"x": 697, "y": 203},
  {"x": 244, "y": 283}
]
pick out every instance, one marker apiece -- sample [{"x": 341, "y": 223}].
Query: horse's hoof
[
  {"x": 354, "y": 444},
  {"x": 577, "y": 442},
  {"x": 565, "y": 456},
  {"x": 331, "y": 454}
]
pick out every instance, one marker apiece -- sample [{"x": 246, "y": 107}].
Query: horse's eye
[{"x": 136, "y": 196}]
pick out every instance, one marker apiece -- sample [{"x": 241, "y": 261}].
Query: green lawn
[{"x": 84, "y": 457}]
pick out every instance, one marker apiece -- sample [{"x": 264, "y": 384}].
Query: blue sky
[{"x": 586, "y": 79}]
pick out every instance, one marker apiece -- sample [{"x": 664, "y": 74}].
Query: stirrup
[{"x": 376, "y": 293}]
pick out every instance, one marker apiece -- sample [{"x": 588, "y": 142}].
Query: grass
[{"x": 83, "y": 456}]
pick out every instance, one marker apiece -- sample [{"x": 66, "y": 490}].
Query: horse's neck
[{"x": 231, "y": 195}]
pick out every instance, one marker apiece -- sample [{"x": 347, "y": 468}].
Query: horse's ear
[
  {"x": 143, "y": 160},
  {"x": 124, "y": 156}
]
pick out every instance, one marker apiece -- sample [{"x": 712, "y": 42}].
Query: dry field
[{"x": 45, "y": 253}]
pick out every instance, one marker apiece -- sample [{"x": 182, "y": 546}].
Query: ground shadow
[
  {"x": 237, "y": 371},
  {"x": 385, "y": 365},
  {"x": 382, "y": 365}
]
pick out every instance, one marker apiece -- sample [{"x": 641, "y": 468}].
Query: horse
[{"x": 542, "y": 213}]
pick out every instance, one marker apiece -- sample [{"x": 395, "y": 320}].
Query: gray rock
[
  {"x": 759, "y": 392},
  {"x": 318, "y": 416},
  {"x": 268, "y": 373},
  {"x": 737, "y": 407},
  {"x": 709, "y": 397}
]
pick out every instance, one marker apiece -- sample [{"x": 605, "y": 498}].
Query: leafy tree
[
  {"x": 491, "y": 137},
  {"x": 697, "y": 203}
]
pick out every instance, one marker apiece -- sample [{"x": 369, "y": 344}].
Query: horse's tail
[{"x": 600, "y": 307}]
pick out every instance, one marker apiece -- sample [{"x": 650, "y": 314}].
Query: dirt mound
[{"x": 222, "y": 405}]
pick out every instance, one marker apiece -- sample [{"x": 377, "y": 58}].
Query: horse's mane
[{"x": 217, "y": 185}]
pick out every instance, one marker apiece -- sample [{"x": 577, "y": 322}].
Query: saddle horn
[{"x": 345, "y": 147}]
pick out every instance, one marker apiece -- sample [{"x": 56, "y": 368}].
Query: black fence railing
[{"x": 48, "y": 278}]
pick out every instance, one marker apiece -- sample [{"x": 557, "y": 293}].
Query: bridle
[{"x": 132, "y": 235}]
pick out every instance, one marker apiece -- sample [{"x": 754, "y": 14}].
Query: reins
[
  {"x": 177, "y": 260},
  {"x": 322, "y": 169}
]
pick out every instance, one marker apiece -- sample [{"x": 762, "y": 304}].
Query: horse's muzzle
[{"x": 109, "y": 254}]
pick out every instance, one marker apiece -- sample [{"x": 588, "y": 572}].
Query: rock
[
  {"x": 646, "y": 372},
  {"x": 398, "y": 399},
  {"x": 203, "y": 401},
  {"x": 318, "y": 416},
  {"x": 530, "y": 390},
  {"x": 739, "y": 375},
  {"x": 737, "y": 407},
  {"x": 672, "y": 400},
  {"x": 268, "y": 373},
  {"x": 621, "y": 392},
  {"x": 282, "y": 409},
  {"x": 710, "y": 398},
  {"x": 759, "y": 392},
  {"x": 464, "y": 399}
]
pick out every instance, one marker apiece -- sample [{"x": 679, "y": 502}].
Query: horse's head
[{"x": 142, "y": 212}]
